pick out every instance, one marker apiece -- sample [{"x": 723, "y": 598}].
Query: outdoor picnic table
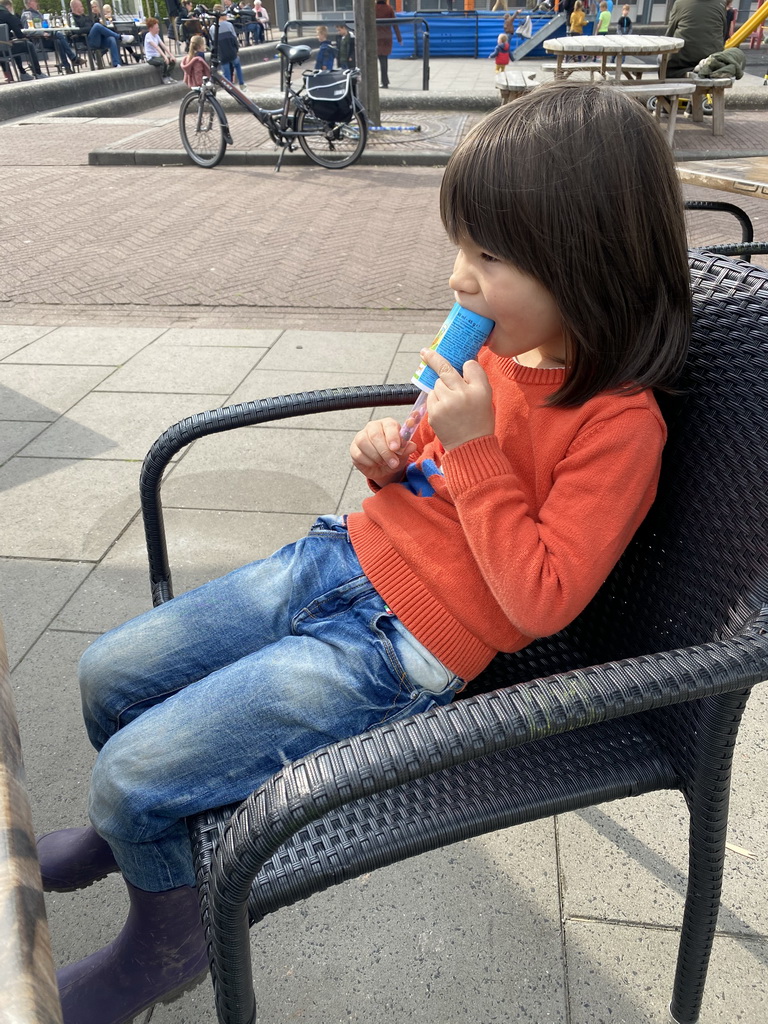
[
  {"x": 615, "y": 46},
  {"x": 744, "y": 176}
]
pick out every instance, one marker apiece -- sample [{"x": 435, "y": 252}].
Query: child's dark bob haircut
[{"x": 576, "y": 186}]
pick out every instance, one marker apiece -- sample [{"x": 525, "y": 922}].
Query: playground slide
[{"x": 547, "y": 30}]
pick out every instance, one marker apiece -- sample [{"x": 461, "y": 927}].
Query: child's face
[{"x": 526, "y": 315}]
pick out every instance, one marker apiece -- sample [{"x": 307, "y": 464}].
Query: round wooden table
[{"x": 615, "y": 46}]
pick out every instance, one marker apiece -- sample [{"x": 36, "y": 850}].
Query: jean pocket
[
  {"x": 422, "y": 670},
  {"x": 330, "y": 524}
]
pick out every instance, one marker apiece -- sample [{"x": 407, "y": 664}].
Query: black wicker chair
[{"x": 644, "y": 691}]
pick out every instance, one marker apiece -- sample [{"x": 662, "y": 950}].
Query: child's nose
[{"x": 462, "y": 279}]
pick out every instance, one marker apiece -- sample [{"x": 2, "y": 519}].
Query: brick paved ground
[{"x": 236, "y": 246}]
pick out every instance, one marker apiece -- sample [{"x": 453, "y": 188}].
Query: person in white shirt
[{"x": 156, "y": 52}]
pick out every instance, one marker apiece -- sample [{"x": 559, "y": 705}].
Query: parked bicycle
[{"x": 324, "y": 116}]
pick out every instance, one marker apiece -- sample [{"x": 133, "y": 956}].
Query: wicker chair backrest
[{"x": 698, "y": 567}]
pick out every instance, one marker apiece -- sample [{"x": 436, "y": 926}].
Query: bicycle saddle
[{"x": 294, "y": 54}]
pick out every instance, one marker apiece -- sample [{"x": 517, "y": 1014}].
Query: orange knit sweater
[{"x": 509, "y": 536}]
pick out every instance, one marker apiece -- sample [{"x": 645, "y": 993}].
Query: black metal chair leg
[{"x": 708, "y": 801}]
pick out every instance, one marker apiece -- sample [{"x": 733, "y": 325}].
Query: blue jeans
[
  {"x": 254, "y": 30},
  {"x": 230, "y": 68},
  {"x": 102, "y": 38},
  {"x": 198, "y": 702}
]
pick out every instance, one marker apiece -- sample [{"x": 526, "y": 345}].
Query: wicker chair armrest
[
  {"x": 391, "y": 755},
  {"x": 230, "y": 417}
]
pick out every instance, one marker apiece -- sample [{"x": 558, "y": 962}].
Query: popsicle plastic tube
[{"x": 460, "y": 338}]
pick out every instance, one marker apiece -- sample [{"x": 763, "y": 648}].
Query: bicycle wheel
[
  {"x": 332, "y": 145},
  {"x": 203, "y": 139}
]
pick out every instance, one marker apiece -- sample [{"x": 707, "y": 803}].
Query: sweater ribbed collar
[{"x": 548, "y": 376}]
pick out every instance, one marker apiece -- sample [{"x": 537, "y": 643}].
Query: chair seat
[{"x": 557, "y": 774}]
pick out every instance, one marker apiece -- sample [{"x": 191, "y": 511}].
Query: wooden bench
[
  {"x": 632, "y": 71},
  {"x": 568, "y": 67},
  {"x": 670, "y": 89},
  {"x": 715, "y": 87},
  {"x": 512, "y": 82}
]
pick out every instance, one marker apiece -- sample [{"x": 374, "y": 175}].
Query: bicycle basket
[{"x": 329, "y": 95}]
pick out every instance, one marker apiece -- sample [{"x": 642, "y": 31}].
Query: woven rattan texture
[{"x": 505, "y": 788}]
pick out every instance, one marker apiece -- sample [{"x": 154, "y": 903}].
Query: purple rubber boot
[
  {"x": 74, "y": 858},
  {"x": 159, "y": 953}
]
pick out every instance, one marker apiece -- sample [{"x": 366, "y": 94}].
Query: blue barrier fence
[{"x": 469, "y": 34}]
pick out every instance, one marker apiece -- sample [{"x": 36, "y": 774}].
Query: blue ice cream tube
[{"x": 460, "y": 338}]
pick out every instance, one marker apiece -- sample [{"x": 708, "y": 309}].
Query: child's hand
[
  {"x": 378, "y": 453},
  {"x": 460, "y": 408}
]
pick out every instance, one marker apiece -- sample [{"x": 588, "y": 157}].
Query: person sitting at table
[
  {"x": 701, "y": 23},
  {"x": 98, "y": 36},
  {"x": 260, "y": 22},
  {"x": 54, "y": 42},
  {"x": 108, "y": 19},
  {"x": 21, "y": 48},
  {"x": 192, "y": 26}
]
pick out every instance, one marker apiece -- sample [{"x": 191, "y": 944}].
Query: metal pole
[
  {"x": 365, "y": 33},
  {"x": 425, "y": 68}
]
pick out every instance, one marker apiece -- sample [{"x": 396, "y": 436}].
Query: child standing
[
  {"x": 496, "y": 523},
  {"x": 345, "y": 46},
  {"x": 624, "y": 24},
  {"x": 578, "y": 19},
  {"x": 326, "y": 54},
  {"x": 604, "y": 19},
  {"x": 194, "y": 65},
  {"x": 156, "y": 52},
  {"x": 501, "y": 53},
  {"x": 228, "y": 47}
]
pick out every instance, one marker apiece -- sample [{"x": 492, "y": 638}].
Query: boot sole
[{"x": 169, "y": 997}]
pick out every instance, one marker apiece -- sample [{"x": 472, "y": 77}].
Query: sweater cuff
[{"x": 473, "y": 462}]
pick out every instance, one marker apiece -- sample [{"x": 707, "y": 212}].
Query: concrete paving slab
[
  {"x": 59, "y": 757},
  {"x": 14, "y": 436},
  {"x": 645, "y": 840},
  {"x": 414, "y": 342},
  {"x": 398, "y": 945},
  {"x": 15, "y": 339},
  {"x": 269, "y": 383},
  {"x": 86, "y": 346},
  {"x": 328, "y": 350},
  {"x": 231, "y": 338},
  {"x": 191, "y": 369},
  {"x": 31, "y": 593},
  {"x": 263, "y": 469},
  {"x": 202, "y": 545},
  {"x": 116, "y": 425},
  {"x": 44, "y": 392},
  {"x": 623, "y": 975},
  {"x": 93, "y": 502}
]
